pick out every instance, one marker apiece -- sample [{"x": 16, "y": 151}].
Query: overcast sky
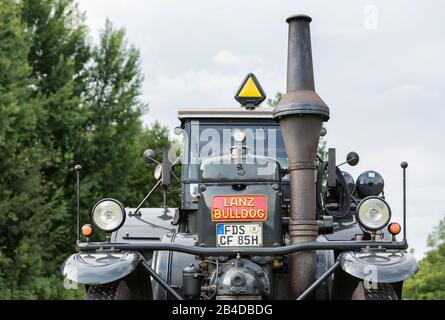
[{"x": 379, "y": 65}]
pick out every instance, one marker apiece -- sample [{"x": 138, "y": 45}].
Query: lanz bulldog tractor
[{"x": 261, "y": 215}]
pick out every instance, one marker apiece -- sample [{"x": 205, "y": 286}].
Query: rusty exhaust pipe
[{"x": 301, "y": 113}]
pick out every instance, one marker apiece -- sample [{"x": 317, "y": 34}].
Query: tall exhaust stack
[{"x": 301, "y": 113}]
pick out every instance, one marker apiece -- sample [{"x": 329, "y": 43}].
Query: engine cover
[
  {"x": 244, "y": 193},
  {"x": 242, "y": 279}
]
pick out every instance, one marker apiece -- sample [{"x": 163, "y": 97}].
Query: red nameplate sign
[{"x": 239, "y": 208}]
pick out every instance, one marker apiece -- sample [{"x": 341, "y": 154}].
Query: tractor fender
[
  {"x": 379, "y": 266},
  {"x": 99, "y": 268}
]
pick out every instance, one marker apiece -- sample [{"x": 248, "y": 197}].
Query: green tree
[
  {"x": 58, "y": 57},
  {"x": 114, "y": 124},
  {"x": 429, "y": 282},
  {"x": 15, "y": 159},
  {"x": 116, "y": 137},
  {"x": 63, "y": 101},
  {"x": 59, "y": 53},
  {"x": 26, "y": 200},
  {"x": 272, "y": 102}
]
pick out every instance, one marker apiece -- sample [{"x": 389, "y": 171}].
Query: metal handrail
[{"x": 258, "y": 251}]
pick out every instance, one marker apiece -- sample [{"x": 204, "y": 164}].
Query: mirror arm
[
  {"x": 154, "y": 160},
  {"x": 343, "y": 163},
  {"x": 135, "y": 213},
  {"x": 177, "y": 161}
]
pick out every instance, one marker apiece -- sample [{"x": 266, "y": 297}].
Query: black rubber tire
[
  {"x": 384, "y": 291},
  {"x": 117, "y": 290}
]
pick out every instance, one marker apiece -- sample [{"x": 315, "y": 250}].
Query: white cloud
[{"x": 226, "y": 58}]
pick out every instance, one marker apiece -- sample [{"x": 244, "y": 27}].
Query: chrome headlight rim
[
  {"x": 124, "y": 215},
  {"x": 368, "y": 228}
]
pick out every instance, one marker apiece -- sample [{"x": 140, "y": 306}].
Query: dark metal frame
[
  {"x": 200, "y": 251},
  {"x": 260, "y": 251},
  {"x": 159, "y": 280},
  {"x": 319, "y": 281}
]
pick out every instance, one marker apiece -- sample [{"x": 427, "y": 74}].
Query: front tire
[
  {"x": 383, "y": 291},
  {"x": 117, "y": 290}
]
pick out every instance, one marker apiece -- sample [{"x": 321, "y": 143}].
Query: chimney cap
[{"x": 299, "y": 17}]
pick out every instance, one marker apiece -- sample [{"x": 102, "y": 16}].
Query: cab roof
[{"x": 224, "y": 112}]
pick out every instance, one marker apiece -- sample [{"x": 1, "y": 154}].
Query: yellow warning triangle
[
  {"x": 250, "y": 90},
  {"x": 250, "y": 93}
]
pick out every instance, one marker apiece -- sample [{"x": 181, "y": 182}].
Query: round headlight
[
  {"x": 108, "y": 215},
  {"x": 373, "y": 213}
]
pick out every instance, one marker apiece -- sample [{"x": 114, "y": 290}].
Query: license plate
[
  {"x": 239, "y": 235},
  {"x": 239, "y": 208}
]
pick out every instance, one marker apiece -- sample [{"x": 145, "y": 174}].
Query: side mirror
[
  {"x": 149, "y": 156},
  {"x": 178, "y": 131},
  {"x": 352, "y": 158}
]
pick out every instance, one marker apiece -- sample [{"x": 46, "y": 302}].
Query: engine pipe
[{"x": 301, "y": 113}]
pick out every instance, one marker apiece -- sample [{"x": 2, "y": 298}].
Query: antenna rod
[
  {"x": 77, "y": 168},
  {"x": 404, "y": 165}
]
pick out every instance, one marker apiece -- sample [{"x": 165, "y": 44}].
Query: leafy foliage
[
  {"x": 273, "y": 102},
  {"x": 63, "y": 101},
  {"x": 429, "y": 283}
]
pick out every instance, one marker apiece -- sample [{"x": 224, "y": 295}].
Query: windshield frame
[{"x": 186, "y": 174}]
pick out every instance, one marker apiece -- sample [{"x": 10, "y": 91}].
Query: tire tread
[{"x": 117, "y": 290}]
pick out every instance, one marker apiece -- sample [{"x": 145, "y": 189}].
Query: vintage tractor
[{"x": 261, "y": 216}]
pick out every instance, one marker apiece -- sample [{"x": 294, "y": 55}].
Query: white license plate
[{"x": 239, "y": 234}]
